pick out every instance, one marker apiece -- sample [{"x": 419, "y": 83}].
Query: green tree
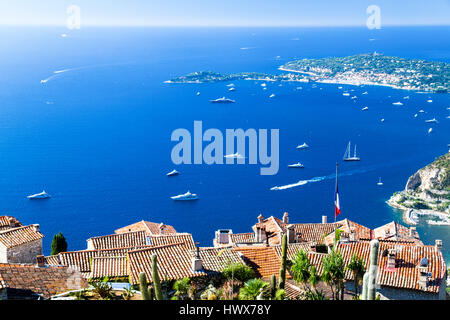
[
  {"x": 238, "y": 271},
  {"x": 59, "y": 244},
  {"x": 251, "y": 289},
  {"x": 181, "y": 288},
  {"x": 356, "y": 266},
  {"x": 333, "y": 273},
  {"x": 305, "y": 274}
]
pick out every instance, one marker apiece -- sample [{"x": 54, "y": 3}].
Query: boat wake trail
[{"x": 322, "y": 178}]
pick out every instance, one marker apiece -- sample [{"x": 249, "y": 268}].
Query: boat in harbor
[
  {"x": 379, "y": 182},
  {"x": 296, "y": 165},
  {"x": 222, "y": 100},
  {"x": 348, "y": 156},
  {"x": 42, "y": 195},
  {"x": 303, "y": 146},
  {"x": 173, "y": 173},
  {"x": 185, "y": 197}
]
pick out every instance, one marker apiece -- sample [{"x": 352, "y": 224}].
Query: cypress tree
[{"x": 59, "y": 244}]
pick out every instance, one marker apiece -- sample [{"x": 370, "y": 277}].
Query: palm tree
[
  {"x": 251, "y": 289},
  {"x": 356, "y": 266},
  {"x": 301, "y": 269},
  {"x": 333, "y": 273},
  {"x": 181, "y": 288}
]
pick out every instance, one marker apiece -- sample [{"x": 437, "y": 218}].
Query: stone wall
[{"x": 24, "y": 253}]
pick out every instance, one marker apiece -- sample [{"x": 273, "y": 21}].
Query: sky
[{"x": 224, "y": 12}]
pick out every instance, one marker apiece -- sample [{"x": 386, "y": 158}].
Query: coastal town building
[
  {"x": 150, "y": 228},
  {"x": 18, "y": 243},
  {"x": 37, "y": 281}
]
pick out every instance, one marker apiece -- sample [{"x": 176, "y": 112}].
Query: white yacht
[
  {"x": 236, "y": 155},
  {"x": 416, "y": 115},
  {"x": 42, "y": 195},
  {"x": 379, "y": 182},
  {"x": 272, "y": 96},
  {"x": 173, "y": 173},
  {"x": 186, "y": 196},
  {"x": 230, "y": 85},
  {"x": 382, "y": 120},
  {"x": 365, "y": 92},
  {"x": 232, "y": 89},
  {"x": 346, "y": 94},
  {"x": 353, "y": 98},
  {"x": 430, "y": 130},
  {"x": 421, "y": 111},
  {"x": 296, "y": 165},
  {"x": 303, "y": 146},
  {"x": 429, "y": 101},
  {"x": 397, "y": 103},
  {"x": 406, "y": 98},
  {"x": 222, "y": 100},
  {"x": 347, "y": 155},
  {"x": 198, "y": 93},
  {"x": 431, "y": 120},
  {"x": 365, "y": 108}
]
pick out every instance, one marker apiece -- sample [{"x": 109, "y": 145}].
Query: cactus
[
  {"x": 365, "y": 283},
  {"x": 373, "y": 270},
  {"x": 273, "y": 286},
  {"x": 156, "y": 280},
  {"x": 283, "y": 262},
  {"x": 143, "y": 287}
]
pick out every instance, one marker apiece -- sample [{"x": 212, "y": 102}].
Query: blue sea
[{"x": 97, "y": 136}]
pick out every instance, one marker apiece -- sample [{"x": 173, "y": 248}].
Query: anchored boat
[{"x": 347, "y": 154}]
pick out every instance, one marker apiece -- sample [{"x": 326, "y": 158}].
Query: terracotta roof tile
[
  {"x": 264, "y": 260},
  {"x": 242, "y": 237},
  {"x": 151, "y": 228},
  {"x": 45, "y": 281},
  {"x": 8, "y": 222},
  {"x": 174, "y": 262},
  {"x": 109, "y": 267},
  {"x": 122, "y": 240},
  {"x": 160, "y": 240},
  {"x": 215, "y": 260},
  {"x": 17, "y": 236}
]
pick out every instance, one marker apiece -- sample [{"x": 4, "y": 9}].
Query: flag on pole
[{"x": 337, "y": 206}]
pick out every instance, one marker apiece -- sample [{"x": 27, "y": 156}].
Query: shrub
[{"x": 238, "y": 271}]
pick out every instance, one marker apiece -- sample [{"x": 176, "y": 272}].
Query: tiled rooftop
[
  {"x": 43, "y": 281},
  {"x": 109, "y": 267},
  {"x": 8, "y": 222},
  {"x": 151, "y": 228},
  {"x": 264, "y": 260},
  {"x": 174, "y": 262},
  {"x": 17, "y": 236},
  {"x": 160, "y": 240},
  {"x": 122, "y": 240}
]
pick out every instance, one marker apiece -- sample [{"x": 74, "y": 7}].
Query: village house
[
  {"x": 37, "y": 281},
  {"x": 150, "y": 228},
  {"x": 18, "y": 243}
]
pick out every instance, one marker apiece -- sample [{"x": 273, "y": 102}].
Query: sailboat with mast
[{"x": 348, "y": 156}]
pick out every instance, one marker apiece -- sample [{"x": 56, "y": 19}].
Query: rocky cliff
[{"x": 428, "y": 188}]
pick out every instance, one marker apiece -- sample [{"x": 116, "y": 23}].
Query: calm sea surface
[{"x": 97, "y": 136}]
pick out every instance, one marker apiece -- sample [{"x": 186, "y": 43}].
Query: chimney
[
  {"x": 352, "y": 235},
  {"x": 161, "y": 228},
  {"x": 286, "y": 218},
  {"x": 260, "y": 218},
  {"x": 196, "y": 260},
  {"x": 438, "y": 245},
  {"x": 40, "y": 261},
  {"x": 324, "y": 219},
  {"x": 36, "y": 227},
  {"x": 290, "y": 233},
  {"x": 423, "y": 273},
  {"x": 391, "y": 259},
  {"x": 412, "y": 231}
]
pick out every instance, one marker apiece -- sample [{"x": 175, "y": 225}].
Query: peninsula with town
[
  {"x": 362, "y": 69},
  {"x": 426, "y": 194}
]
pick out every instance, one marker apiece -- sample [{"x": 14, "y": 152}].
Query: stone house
[{"x": 20, "y": 244}]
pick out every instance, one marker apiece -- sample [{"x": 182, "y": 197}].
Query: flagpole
[{"x": 335, "y": 227}]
